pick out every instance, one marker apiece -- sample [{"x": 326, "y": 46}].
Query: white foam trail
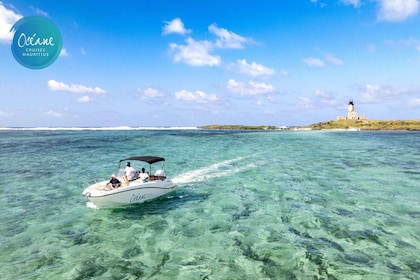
[
  {"x": 215, "y": 170},
  {"x": 91, "y": 205}
]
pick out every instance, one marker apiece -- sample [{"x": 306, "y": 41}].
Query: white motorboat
[{"x": 140, "y": 188}]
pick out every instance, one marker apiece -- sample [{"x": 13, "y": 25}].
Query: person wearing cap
[
  {"x": 114, "y": 182},
  {"x": 130, "y": 172}
]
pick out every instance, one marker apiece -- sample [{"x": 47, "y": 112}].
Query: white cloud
[
  {"x": 411, "y": 42},
  {"x": 284, "y": 72},
  {"x": 60, "y": 86},
  {"x": 195, "y": 53},
  {"x": 318, "y": 62},
  {"x": 253, "y": 69},
  {"x": 151, "y": 93},
  {"x": 38, "y": 11},
  {"x": 199, "y": 53},
  {"x": 320, "y": 3},
  {"x": 305, "y": 103},
  {"x": 52, "y": 113},
  {"x": 64, "y": 52},
  {"x": 326, "y": 97},
  {"x": 252, "y": 88},
  {"x": 333, "y": 60},
  {"x": 227, "y": 39},
  {"x": 84, "y": 99},
  {"x": 5, "y": 114},
  {"x": 414, "y": 102},
  {"x": 378, "y": 93},
  {"x": 175, "y": 26},
  {"x": 314, "y": 62},
  {"x": 320, "y": 99},
  {"x": 355, "y": 3},
  {"x": 327, "y": 58},
  {"x": 397, "y": 10},
  {"x": 197, "y": 96},
  {"x": 7, "y": 19}
]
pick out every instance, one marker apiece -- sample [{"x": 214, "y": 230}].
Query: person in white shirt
[
  {"x": 130, "y": 172},
  {"x": 144, "y": 175}
]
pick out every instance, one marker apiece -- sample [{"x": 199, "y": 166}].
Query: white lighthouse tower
[{"x": 351, "y": 113}]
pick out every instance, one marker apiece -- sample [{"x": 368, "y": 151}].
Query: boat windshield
[{"x": 120, "y": 173}]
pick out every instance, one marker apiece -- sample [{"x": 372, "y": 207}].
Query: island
[
  {"x": 343, "y": 124},
  {"x": 239, "y": 127},
  {"x": 351, "y": 121},
  {"x": 367, "y": 125}
]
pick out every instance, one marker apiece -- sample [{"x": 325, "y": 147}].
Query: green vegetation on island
[
  {"x": 331, "y": 125},
  {"x": 239, "y": 127},
  {"x": 367, "y": 125}
]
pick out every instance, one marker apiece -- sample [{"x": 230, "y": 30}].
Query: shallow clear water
[{"x": 249, "y": 205}]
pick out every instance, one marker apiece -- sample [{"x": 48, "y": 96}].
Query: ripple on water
[{"x": 265, "y": 205}]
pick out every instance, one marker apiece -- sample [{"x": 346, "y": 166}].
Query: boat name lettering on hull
[{"x": 137, "y": 197}]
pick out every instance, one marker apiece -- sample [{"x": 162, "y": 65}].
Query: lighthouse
[{"x": 351, "y": 113}]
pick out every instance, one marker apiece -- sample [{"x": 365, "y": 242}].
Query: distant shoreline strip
[{"x": 101, "y": 128}]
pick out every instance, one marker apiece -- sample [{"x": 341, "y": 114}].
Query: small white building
[{"x": 351, "y": 113}]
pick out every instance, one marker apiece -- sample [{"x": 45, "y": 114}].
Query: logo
[{"x": 36, "y": 43}]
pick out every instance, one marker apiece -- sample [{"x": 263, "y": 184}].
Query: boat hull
[{"x": 134, "y": 193}]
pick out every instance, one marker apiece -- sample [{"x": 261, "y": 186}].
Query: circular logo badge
[{"x": 36, "y": 43}]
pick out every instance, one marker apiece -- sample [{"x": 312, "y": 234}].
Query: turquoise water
[{"x": 249, "y": 205}]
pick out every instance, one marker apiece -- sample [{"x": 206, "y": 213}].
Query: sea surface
[{"x": 249, "y": 205}]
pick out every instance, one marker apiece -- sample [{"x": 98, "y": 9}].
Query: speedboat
[{"x": 140, "y": 188}]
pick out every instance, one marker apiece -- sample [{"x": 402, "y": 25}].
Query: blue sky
[{"x": 192, "y": 63}]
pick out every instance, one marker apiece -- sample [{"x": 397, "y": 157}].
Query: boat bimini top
[{"x": 148, "y": 159}]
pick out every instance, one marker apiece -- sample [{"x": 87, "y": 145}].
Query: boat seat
[{"x": 159, "y": 175}]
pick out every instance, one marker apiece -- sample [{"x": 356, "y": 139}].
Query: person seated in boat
[
  {"x": 130, "y": 172},
  {"x": 114, "y": 182},
  {"x": 144, "y": 175}
]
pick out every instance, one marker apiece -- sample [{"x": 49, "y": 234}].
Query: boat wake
[
  {"x": 219, "y": 169},
  {"x": 91, "y": 205}
]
